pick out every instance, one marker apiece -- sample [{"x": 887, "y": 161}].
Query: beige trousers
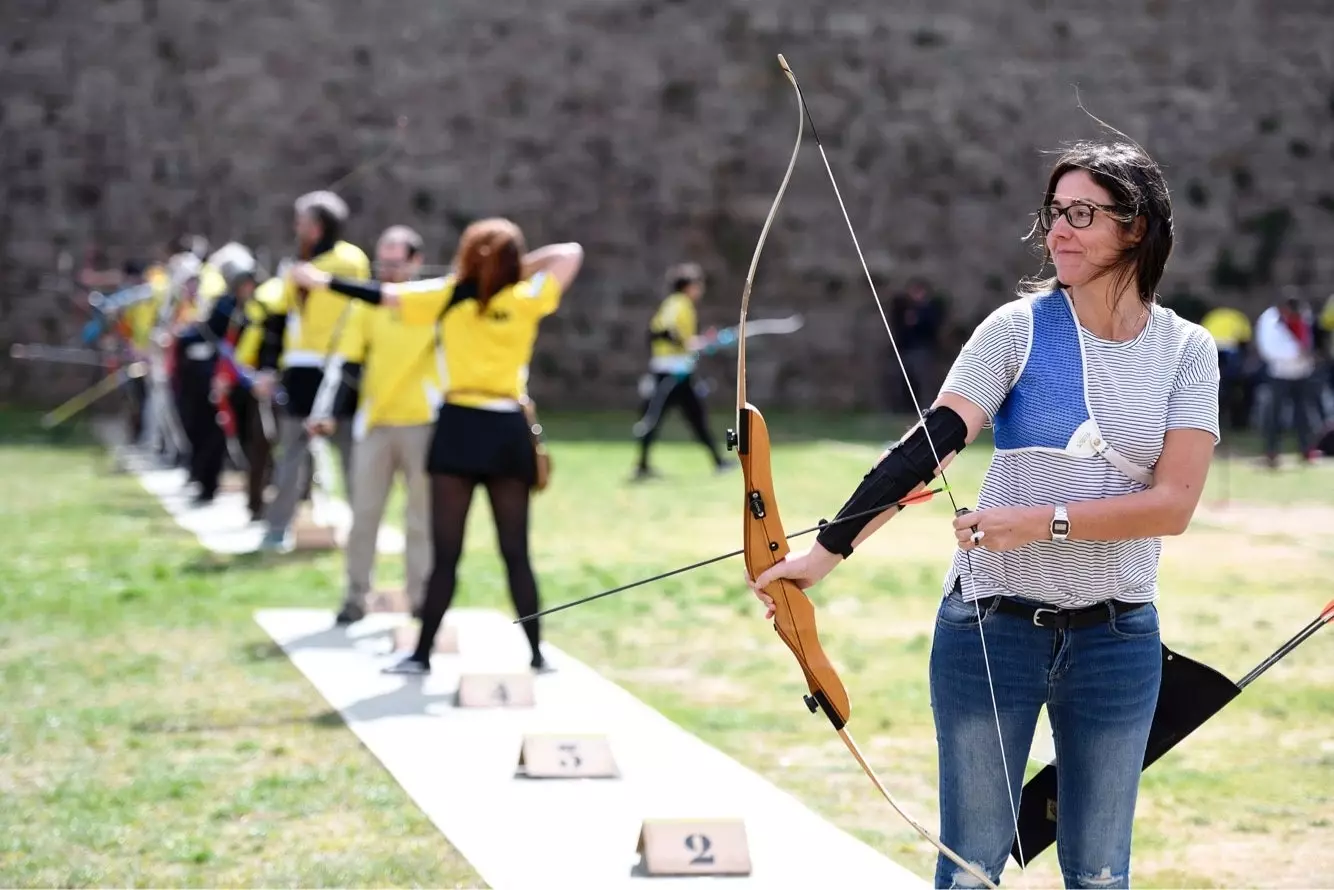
[{"x": 384, "y": 452}]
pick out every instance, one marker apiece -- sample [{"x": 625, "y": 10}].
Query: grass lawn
[{"x": 150, "y": 735}]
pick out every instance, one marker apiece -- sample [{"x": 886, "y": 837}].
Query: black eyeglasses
[{"x": 1080, "y": 214}]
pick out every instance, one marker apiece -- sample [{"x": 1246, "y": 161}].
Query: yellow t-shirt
[
  {"x": 211, "y": 286},
  {"x": 400, "y": 380},
  {"x": 1229, "y": 327},
  {"x": 141, "y": 317},
  {"x": 676, "y": 318},
  {"x": 1327, "y": 322},
  {"x": 487, "y": 351},
  {"x": 311, "y": 327},
  {"x": 267, "y": 296}
]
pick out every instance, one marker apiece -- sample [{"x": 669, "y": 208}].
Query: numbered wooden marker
[
  {"x": 694, "y": 847},
  {"x": 446, "y": 639},
  {"x": 388, "y": 601},
  {"x": 566, "y": 757},
  {"x": 309, "y": 536},
  {"x": 496, "y": 690}
]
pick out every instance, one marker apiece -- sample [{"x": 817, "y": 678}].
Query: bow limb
[{"x": 765, "y": 543}]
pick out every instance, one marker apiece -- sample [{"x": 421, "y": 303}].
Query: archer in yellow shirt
[
  {"x": 673, "y": 350},
  {"x": 487, "y": 313},
  {"x": 311, "y": 324},
  {"x": 1229, "y": 327},
  {"x": 399, "y": 393}
]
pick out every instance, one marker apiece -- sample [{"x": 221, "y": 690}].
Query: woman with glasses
[{"x": 1104, "y": 408}]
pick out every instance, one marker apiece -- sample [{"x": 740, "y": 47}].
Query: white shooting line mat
[
  {"x": 224, "y": 525},
  {"x": 458, "y": 764}
]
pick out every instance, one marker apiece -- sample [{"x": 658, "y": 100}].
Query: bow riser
[{"x": 765, "y": 545}]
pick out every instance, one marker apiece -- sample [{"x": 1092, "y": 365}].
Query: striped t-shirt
[{"x": 1165, "y": 378}]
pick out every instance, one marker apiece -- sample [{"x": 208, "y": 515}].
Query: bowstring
[{"x": 977, "y": 609}]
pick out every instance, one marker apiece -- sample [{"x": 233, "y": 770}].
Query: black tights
[
  {"x": 679, "y": 392},
  {"x": 451, "y": 496}
]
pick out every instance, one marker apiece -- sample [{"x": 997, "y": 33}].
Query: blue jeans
[{"x": 1100, "y": 686}]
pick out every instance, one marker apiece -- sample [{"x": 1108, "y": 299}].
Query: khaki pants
[
  {"x": 384, "y": 451},
  {"x": 291, "y": 469}
]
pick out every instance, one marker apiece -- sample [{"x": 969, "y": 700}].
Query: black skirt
[{"x": 481, "y": 443}]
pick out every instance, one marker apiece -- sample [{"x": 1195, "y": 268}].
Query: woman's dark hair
[
  {"x": 682, "y": 275},
  {"x": 490, "y": 254},
  {"x": 1139, "y": 193},
  {"x": 329, "y": 210},
  {"x": 404, "y": 235}
]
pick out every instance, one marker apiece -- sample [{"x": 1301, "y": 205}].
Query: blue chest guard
[{"x": 1047, "y": 409}]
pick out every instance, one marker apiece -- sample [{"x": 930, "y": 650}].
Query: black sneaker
[
  {"x": 541, "y": 666},
  {"x": 349, "y": 615},
  {"x": 409, "y": 665}
]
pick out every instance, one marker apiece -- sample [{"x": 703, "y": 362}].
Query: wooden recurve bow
[{"x": 765, "y": 542}]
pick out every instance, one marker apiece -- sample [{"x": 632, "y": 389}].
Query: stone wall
[{"x": 656, "y": 131}]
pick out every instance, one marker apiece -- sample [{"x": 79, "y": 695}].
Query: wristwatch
[{"x": 1060, "y": 524}]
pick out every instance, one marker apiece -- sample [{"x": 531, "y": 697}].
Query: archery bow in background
[
  {"x": 108, "y": 311},
  {"x": 104, "y": 387},
  {"x": 122, "y": 361},
  {"x": 658, "y": 393},
  {"x": 732, "y": 336},
  {"x": 67, "y": 355},
  {"x": 322, "y": 461}
]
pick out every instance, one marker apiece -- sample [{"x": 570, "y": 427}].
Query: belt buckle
[{"x": 1037, "y": 612}]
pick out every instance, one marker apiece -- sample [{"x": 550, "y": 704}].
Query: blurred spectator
[
  {"x": 1324, "y": 336},
  {"x": 1231, "y": 330},
  {"x": 916, "y": 318},
  {"x": 1285, "y": 339}
]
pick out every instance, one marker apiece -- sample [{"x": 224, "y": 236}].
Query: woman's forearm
[
  {"x": 879, "y": 521},
  {"x": 544, "y": 257},
  {"x": 366, "y": 291},
  {"x": 900, "y": 473},
  {"x": 1154, "y": 513},
  {"x": 549, "y": 252}
]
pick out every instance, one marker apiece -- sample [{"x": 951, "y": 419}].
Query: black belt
[{"x": 1061, "y": 619}]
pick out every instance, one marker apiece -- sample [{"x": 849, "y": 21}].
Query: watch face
[{"x": 1060, "y": 527}]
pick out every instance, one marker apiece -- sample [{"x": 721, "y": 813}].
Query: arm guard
[
  {"x": 366, "y": 291},
  {"x": 349, "y": 384},
  {"x": 910, "y": 462},
  {"x": 271, "y": 346}
]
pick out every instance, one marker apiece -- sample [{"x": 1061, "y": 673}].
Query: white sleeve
[{"x": 989, "y": 362}]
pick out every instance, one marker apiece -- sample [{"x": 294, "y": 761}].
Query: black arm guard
[
  {"x": 366, "y": 291},
  {"x": 349, "y": 387},
  {"x": 909, "y": 462},
  {"x": 271, "y": 347}
]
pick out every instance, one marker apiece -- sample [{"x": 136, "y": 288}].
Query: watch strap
[{"x": 1060, "y": 524}]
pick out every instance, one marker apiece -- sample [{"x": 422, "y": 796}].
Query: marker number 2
[
  {"x": 573, "y": 760},
  {"x": 700, "y": 844}
]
